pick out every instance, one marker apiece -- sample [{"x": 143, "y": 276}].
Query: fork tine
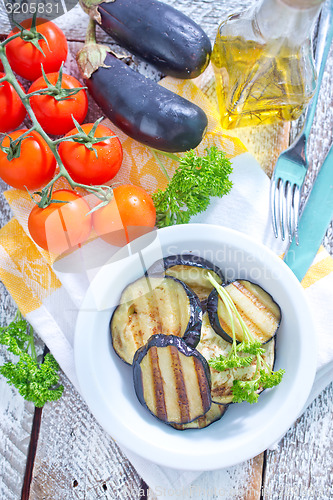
[
  {"x": 290, "y": 211},
  {"x": 282, "y": 208},
  {"x": 274, "y": 191},
  {"x": 296, "y": 204}
]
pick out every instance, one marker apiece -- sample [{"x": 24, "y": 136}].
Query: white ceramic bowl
[{"x": 245, "y": 430}]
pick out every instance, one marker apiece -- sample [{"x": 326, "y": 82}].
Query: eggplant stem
[{"x": 91, "y": 32}]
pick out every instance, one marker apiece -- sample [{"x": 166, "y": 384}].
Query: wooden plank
[
  {"x": 76, "y": 459},
  {"x": 302, "y": 463}
]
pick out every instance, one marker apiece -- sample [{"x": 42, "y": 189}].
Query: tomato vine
[{"x": 103, "y": 192}]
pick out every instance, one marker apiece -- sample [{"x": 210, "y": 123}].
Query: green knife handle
[{"x": 316, "y": 217}]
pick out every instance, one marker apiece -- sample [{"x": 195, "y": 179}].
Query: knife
[{"x": 314, "y": 221}]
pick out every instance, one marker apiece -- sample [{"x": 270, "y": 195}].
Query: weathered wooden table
[{"x": 61, "y": 453}]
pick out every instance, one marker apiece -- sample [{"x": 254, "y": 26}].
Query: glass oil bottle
[{"x": 263, "y": 62}]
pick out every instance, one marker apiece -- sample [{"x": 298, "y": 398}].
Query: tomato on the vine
[
  {"x": 130, "y": 214},
  {"x": 61, "y": 226},
  {"x": 35, "y": 165},
  {"x": 55, "y": 116},
  {"x": 96, "y": 165},
  {"x": 25, "y": 59},
  {"x": 12, "y": 111}
]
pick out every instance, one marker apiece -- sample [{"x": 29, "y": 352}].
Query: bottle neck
[{"x": 292, "y": 19}]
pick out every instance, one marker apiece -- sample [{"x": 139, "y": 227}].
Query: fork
[{"x": 292, "y": 164}]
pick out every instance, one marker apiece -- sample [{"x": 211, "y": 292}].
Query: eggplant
[
  {"x": 213, "y": 345},
  {"x": 151, "y": 306},
  {"x": 191, "y": 269},
  {"x": 160, "y": 34},
  {"x": 172, "y": 380},
  {"x": 214, "y": 414},
  {"x": 258, "y": 309},
  {"x": 138, "y": 106}
]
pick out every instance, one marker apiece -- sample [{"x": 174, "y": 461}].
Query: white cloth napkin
[{"x": 245, "y": 208}]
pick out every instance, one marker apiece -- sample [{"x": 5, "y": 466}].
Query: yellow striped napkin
[{"x": 50, "y": 298}]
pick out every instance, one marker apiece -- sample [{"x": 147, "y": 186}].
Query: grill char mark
[
  {"x": 180, "y": 385},
  {"x": 203, "y": 385},
  {"x": 161, "y": 411}
]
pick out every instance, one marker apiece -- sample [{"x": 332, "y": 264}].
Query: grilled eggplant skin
[
  {"x": 157, "y": 32},
  {"x": 214, "y": 414},
  {"x": 144, "y": 110},
  {"x": 172, "y": 380},
  {"x": 161, "y": 265},
  {"x": 261, "y": 313},
  {"x": 130, "y": 331},
  {"x": 183, "y": 267}
]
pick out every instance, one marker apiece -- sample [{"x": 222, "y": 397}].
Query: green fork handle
[{"x": 314, "y": 221}]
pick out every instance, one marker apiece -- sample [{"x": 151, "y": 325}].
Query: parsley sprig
[
  {"x": 195, "y": 181},
  {"x": 35, "y": 381},
  {"x": 244, "y": 354}
]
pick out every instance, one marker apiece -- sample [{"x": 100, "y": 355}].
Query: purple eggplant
[
  {"x": 157, "y": 32},
  {"x": 214, "y": 414},
  {"x": 140, "y": 107}
]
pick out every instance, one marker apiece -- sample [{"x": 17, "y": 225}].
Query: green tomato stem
[
  {"x": 33, "y": 353},
  {"x": 7, "y": 40}
]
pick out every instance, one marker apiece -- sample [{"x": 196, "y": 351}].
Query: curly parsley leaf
[
  {"x": 195, "y": 181},
  {"x": 245, "y": 390},
  {"x": 221, "y": 363},
  {"x": 270, "y": 379},
  {"x": 253, "y": 348},
  {"x": 35, "y": 381}
]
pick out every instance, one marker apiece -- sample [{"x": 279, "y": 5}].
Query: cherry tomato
[
  {"x": 130, "y": 214},
  {"x": 12, "y": 111},
  {"x": 60, "y": 226},
  {"x": 25, "y": 59},
  {"x": 55, "y": 116},
  {"x": 34, "y": 167},
  {"x": 92, "y": 167}
]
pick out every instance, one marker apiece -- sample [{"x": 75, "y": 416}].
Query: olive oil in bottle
[{"x": 263, "y": 63}]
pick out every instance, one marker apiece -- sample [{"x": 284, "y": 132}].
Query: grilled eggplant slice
[
  {"x": 213, "y": 345},
  {"x": 154, "y": 305},
  {"x": 157, "y": 32},
  {"x": 191, "y": 269},
  {"x": 172, "y": 380},
  {"x": 258, "y": 309},
  {"x": 214, "y": 414}
]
